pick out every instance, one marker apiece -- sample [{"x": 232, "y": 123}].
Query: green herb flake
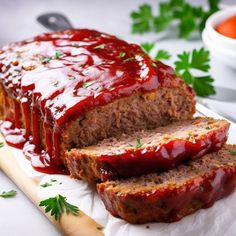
[
  {"x": 154, "y": 64},
  {"x": 71, "y": 78},
  {"x": 58, "y": 205},
  {"x": 75, "y": 44},
  {"x": 9, "y": 194},
  {"x": 208, "y": 128},
  {"x": 122, "y": 54},
  {"x": 45, "y": 185},
  {"x": 58, "y": 54},
  {"x": 201, "y": 188},
  {"x": 100, "y": 46},
  {"x": 87, "y": 84},
  {"x": 1, "y": 144},
  {"x": 53, "y": 180},
  {"x": 129, "y": 59},
  {"x": 45, "y": 59},
  {"x": 232, "y": 152},
  {"x": 138, "y": 143}
]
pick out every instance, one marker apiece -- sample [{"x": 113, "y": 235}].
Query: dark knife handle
[{"x": 54, "y": 21}]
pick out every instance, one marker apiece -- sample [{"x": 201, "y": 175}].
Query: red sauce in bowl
[{"x": 228, "y": 27}]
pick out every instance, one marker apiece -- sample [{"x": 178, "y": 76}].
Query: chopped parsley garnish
[
  {"x": 1, "y": 145},
  {"x": 58, "y": 54},
  {"x": 100, "y": 46},
  {"x": 208, "y": 128},
  {"x": 129, "y": 59},
  {"x": 122, "y": 54},
  {"x": 138, "y": 143},
  {"x": 85, "y": 72},
  {"x": 53, "y": 180},
  {"x": 58, "y": 205},
  {"x": 9, "y": 194},
  {"x": 154, "y": 64},
  {"x": 46, "y": 59},
  {"x": 75, "y": 44},
  {"x": 87, "y": 84},
  {"x": 232, "y": 152},
  {"x": 189, "y": 18},
  {"x": 201, "y": 188},
  {"x": 196, "y": 60},
  {"x": 45, "y": 185},
  {"x": 71, "y": 78}
]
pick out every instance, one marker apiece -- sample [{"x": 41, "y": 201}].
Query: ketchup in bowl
[{"x": 228, "y": 27}]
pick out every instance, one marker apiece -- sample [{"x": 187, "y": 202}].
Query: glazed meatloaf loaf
[
  {"x": 169, "y": 196},
  {"x": 147, "y": 151},
  {"x": 73, "y": 88}
]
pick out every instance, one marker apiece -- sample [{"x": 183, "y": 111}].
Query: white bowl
[{"x": 222, "y": 47}]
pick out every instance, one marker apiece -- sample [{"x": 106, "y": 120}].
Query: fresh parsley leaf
[
  {"x": 189, "y": 18},
  {"x": 45, "y": 185},
  {"x": 162, "y": 55},
  {"x": 87, "y": 84},
  {"x": 196, "y": 60},
  {"x": 147, "y": 47},
  {"x": 142, "y": 19},
  {"x": 1, "y": 145},
  {"x": 138, "y": 143},
  {"x": 122, "y": 54},
  {"x": 100, "y": 46},
  {"x": 9, "y": 194},
  {"x": 232, "y": 152},
  {"x": 57, "y": 206}
]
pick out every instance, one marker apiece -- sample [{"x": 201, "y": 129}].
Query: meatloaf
[
  {"x": 147, "y": 151},
  {"x": 169, "y": 196},
  {"x": 73, "y": 88}
]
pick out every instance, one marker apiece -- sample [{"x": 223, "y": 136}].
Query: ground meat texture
[
  {"x": 148, "y": 150},
  {"x": 79, "y": 91},
  {"x": 171, "y": 195}
]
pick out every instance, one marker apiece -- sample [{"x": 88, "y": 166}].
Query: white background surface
[{"x": 18, "y": 216}]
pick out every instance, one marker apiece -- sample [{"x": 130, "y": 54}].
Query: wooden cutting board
[{"x": 81, "y": 225}]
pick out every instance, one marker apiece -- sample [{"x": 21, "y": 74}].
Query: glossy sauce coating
[
  {"x": 167, "y": 204},
  {"x": 167, "y": 156},
  {"x": 59, "y": 76}
]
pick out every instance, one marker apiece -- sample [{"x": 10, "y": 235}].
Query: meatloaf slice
[
  {"x": 147, "y": 151},
  {"x": 170, "y": 196}
]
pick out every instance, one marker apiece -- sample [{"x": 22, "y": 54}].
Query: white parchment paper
[{"x": 218, "y": 220}]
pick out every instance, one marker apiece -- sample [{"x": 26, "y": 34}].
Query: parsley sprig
[
  {"x": 58, "y": 205},
  {"x": 187, "y": 65},
  {"x": 196, "y": 60},
  {"x": 189, "y": 18},
  {"x": 9, "y": 194},
  {"x": 1, "y": 144},
  {"x": 160, "y": 55}
]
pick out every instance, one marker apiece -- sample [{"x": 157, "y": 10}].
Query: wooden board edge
[{"x": 81, "y": 225}]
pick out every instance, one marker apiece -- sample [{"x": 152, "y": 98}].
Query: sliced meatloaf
[
  {"x": 147, "y": 151},
  {"x": 169, "y": 196},
  {"x": 73, "y": 88}
]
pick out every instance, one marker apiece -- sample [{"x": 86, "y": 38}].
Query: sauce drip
[{"x": 55, "y": 77}]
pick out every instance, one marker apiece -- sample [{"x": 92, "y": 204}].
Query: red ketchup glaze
[
  {"x": 56, "y": 77},
  {"x": 142, "y": 161},
  {"x": 205, "y": 189}
]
